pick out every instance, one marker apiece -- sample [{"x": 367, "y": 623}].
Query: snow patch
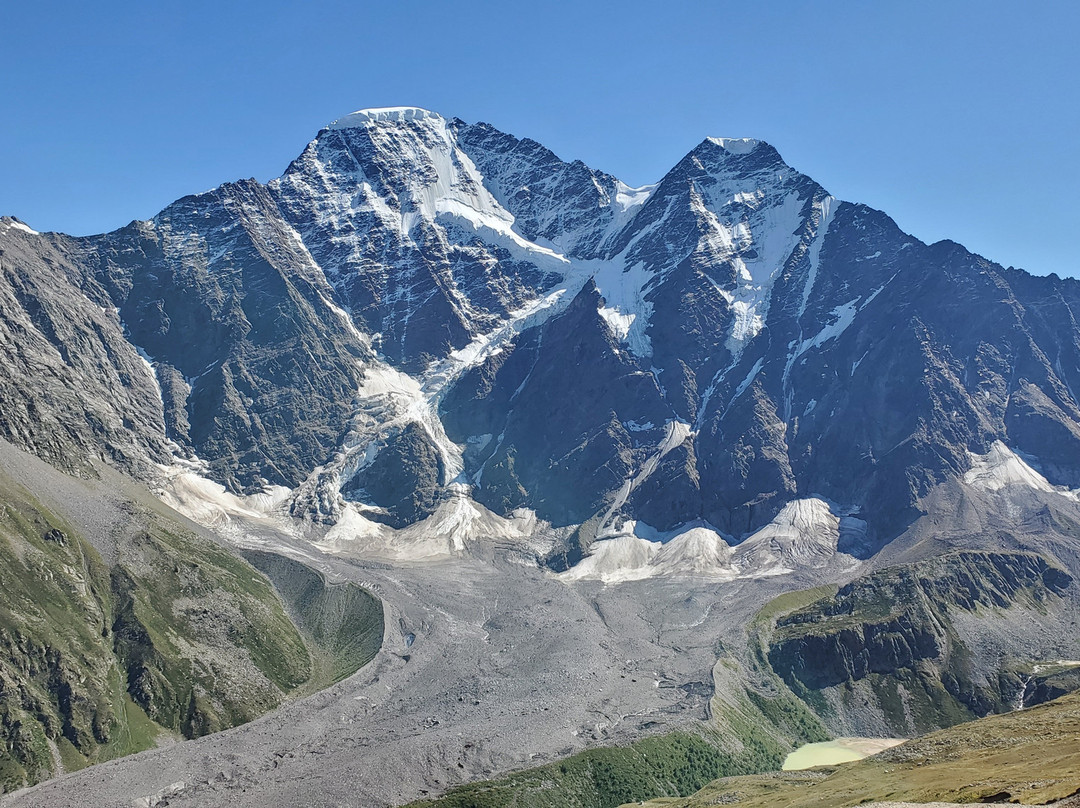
[
  {"x": 857, "y": 362},
  {"x": 1002, "y": 468},
  {"x": 439, "y": 376},
  {"x": 804, "y": 534},
  {"x": 627, "y": 198},
  {"x": 698, "y": 551},
  {"x": 623, "y": 290},
  {"x": 148, "y": 363},
  {"x": 675, "y": 435},
  {"x": 210, "y": 504},
  {"x": 758, "y": 244},
  {"x": 457, "y": 523},
  {"x": 625, "y": 558},
  {"x": 842, "y": 317},
  {"x": 15, "y": 224},
  {"x": 827, "y": 210},
  {"x": 618, "y": 322},
  {"x": 748, "y": 380}
]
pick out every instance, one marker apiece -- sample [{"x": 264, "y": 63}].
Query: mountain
[
  {"x": 515, "y": 398},
  {"x": 534, "y": 334}
]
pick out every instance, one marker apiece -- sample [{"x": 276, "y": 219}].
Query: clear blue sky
[{"x": 960, "y": 119}]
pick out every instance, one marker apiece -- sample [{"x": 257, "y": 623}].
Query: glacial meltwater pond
[{"x": 840, "y": 750}]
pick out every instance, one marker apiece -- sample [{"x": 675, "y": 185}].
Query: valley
[{"x": 1024, "y": 757}]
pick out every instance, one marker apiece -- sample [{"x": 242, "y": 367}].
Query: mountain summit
[{"x": 429, "y": 326}]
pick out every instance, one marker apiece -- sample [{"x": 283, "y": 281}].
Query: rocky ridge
[
  {"x": 892, "y": 649},
  {"x": 537, "y": 335}
]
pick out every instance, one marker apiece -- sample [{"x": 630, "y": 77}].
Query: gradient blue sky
[{"x": 960, "y": 119}]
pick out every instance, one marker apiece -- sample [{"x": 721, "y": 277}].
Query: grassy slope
[
  {"x": 179, "y": 637},
  {"x": 677, "y": 763},
  {"x": 1031, "y": 756},
  {"x": 343, "y": 622},
  {"x": 51, "y": 621}
]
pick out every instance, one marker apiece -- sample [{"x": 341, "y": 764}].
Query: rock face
[
  {"x": 404, "y": 478},
  {"x": 707, "y": 349},
  {"x": 257, "y": 369},
  {"x": 73, "y": 387},
  {"x": 561, "y": 412},
  {"x": 898, "y": 645}
]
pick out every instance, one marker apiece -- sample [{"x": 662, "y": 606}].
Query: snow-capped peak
[
  {"x": 736, "y": 145},
  {"x": 436, "y": 177},
  {"x": 15, "y": 224},
  {"x": 363, "y": 117}
]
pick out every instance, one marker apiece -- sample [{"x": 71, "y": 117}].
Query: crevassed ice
[
  {"x": 363, "y": 117},
  {"x": 736, "y": 145}
]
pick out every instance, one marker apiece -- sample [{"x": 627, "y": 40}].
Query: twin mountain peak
[{"x": 427, "y": 326}]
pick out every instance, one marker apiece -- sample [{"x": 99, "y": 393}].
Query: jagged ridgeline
[
  {"x": 145, "y": 633},
  {"x": 422, "y": 311},
  {"x": 428, "y": 339}
]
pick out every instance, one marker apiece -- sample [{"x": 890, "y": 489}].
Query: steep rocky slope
[
  {"x": 536, "y": 335},
  {"x": 122, "y": 628},
  {"x": 910, "y": 649}
]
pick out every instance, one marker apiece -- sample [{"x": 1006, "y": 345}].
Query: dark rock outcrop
[
  {"x": 893, "y": 637},
  {"x": 405, "y": 478}
]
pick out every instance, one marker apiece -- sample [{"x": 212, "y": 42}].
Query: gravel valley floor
[{"x": 486, "y": 668}]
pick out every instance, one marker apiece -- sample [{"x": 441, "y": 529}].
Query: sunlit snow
[
  {"x": 1002, "y": 468},
  {"x": 16, "y": 225},
  {"x": 804, "y": 535}
]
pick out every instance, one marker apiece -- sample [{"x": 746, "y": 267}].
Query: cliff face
[{"x": 895, "y": 649}]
